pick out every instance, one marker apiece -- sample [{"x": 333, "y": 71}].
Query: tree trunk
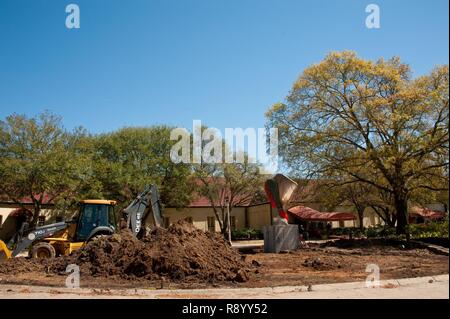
[
  {"x": 36, "y": 213},
  {"x": 216, "y": 213},
  {"x": 226, "y": 225},
  {"x": 386, "y": 215},
  {"x": 361, "y": 219},
  {"x": 401, "y": 208}
]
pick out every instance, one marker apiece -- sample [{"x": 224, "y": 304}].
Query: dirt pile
[
  {"x": 180, "y": 253},
  {"x": 321, "y": 264},
  {"x": 20, "y": 265}
]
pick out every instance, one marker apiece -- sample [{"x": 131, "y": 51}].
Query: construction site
[
  {"x": 219, "y": 149},
  {"x": 144, "y": 255}
]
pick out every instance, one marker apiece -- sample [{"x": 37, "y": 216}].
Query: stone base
[{"x": 280, "y": 237}]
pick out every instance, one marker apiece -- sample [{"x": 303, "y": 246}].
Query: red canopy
[{"x": 309, "y": 214}]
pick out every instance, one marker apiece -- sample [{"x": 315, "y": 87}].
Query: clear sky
[{"x": 225, "y": 62}]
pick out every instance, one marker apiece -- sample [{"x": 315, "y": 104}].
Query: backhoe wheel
[{"x": 43, "y": 250}]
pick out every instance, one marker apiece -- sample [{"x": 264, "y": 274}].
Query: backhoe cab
[{"x": 96, "y": 217}]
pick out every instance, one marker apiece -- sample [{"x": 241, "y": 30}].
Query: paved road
[{"x": 414, "y": 288}]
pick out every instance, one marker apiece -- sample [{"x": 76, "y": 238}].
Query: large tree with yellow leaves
[{"x": 362, "y": 121}]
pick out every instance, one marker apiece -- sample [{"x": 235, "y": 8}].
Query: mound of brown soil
[
  {"x": 321, "y": 264},
  {"x": 180, "y": 253},
  {"x": 19, "y": 265}
]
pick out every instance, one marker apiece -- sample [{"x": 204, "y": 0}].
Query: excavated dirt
[
  {"x": 180, "y": 253},
  {"x": 367, "y": 243},
  {"x": 183, "y": 257},
  {"x": 21, "y": 265}
]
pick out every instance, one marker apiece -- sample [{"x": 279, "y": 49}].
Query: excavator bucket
[
  {"x": 5, "y": 253},
  {"x": 147, "y": 204},
  {"x": 156, "y": 206}
]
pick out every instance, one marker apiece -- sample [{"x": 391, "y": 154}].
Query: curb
[
  {"x": 433, "y": 248},
  {"x": 154, "y": 293}
]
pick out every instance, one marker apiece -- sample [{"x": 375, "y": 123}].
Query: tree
[
  {"x": 239, "y": 183},
  {"x": 126, "y": 161},
  {"x": 39, "y": 160},
  {"x": 370, "y": 122},
  {"x": 357, "y": 194},
  {"x": 382, "y": 203},
  {"x": 331, "y": 194}
]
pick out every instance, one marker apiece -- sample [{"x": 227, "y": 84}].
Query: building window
[
  {"x": 166, "y": 222},
  {"x": 211, "y": 224},
  {"x": 233, "y": 222},
  {"x": 189, "y": 220},
  {"x": 41, "y": 220}
]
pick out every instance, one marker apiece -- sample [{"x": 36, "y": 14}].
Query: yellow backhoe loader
[{"x": 95, "y": 218}]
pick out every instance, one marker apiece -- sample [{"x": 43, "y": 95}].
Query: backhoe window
[{"x": 93, "y": 216}]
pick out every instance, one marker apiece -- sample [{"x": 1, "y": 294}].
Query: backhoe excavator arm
[
  {"x": 148, "y": 202},
  {"x": 26, "y": 238}
]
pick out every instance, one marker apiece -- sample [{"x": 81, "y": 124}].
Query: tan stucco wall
[
  {"x": 4, "y": 212},
  {"x": 200, "y": 216},
  {"x": 259, "y": 216}
]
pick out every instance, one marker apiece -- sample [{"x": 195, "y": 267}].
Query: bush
[
  {"x": 246, "y": 234},
  {"x": 381, "y": 231},
  {"x": 433, "y": 229},
  {"x": 370, "y": 232},
  {"x": 345, "y": 231},
  {"x": 426, "y": 230}
]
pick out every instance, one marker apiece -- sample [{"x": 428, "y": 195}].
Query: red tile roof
[
  {"x": 426, "y": 213},
  {"x": 47, "y": 199}
]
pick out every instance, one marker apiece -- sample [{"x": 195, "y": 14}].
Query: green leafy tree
[
  {"x": 369, "y": 121},
  {"x": 127, "y": 160},
  {"x": 40, "y": 161}
]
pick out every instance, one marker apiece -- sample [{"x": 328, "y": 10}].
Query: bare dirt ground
[
  {"x": 334, "y": 265},
  {"x": 315, "y": 265}
]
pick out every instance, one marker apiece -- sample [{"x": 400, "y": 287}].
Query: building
[{"x": 201, "y": 214}]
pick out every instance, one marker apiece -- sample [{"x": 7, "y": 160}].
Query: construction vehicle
[{"x": 95, "y": 218}]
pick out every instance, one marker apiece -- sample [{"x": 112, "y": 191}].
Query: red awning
[
  {"x": 426, "y": 213},
  {"x": 309, "y": 214}
]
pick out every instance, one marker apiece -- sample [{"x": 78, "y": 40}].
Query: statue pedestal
[{"x": 280, "y": 237}]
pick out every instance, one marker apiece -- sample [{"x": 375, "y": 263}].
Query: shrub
[
  {"x": 432, "y": 229},
  {"x": 381, "y": 231},
  {"x": 246, "y": 234},
  {"x": 355, "y": 231}
]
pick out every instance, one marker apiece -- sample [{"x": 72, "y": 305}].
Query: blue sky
[{"x": 225, "y": 62}]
